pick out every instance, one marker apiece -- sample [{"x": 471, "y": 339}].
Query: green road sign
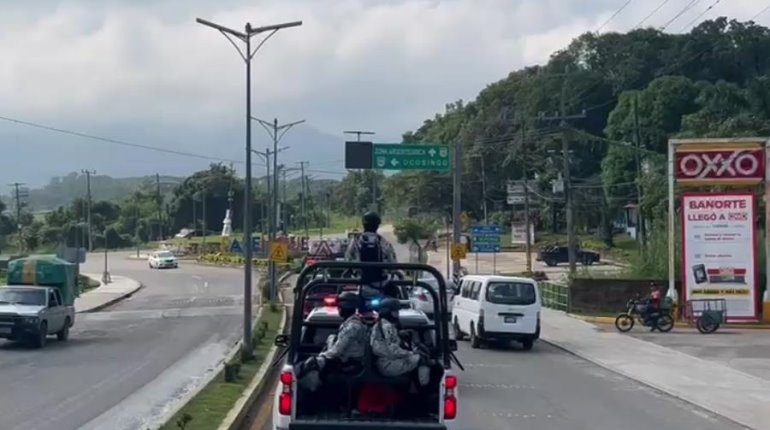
[{"x": 395, "y": 156}]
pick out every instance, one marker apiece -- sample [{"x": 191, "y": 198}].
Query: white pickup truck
[{"x": 30, "y": 314}]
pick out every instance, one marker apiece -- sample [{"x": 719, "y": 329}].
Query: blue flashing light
[{"x": 375, "y": 302}]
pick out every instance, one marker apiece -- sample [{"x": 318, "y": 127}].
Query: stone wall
[{"x": 608, "y": 296}]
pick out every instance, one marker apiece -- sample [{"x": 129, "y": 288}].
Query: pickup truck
[
  {"x": 32, "y": 313},
  {"x": 333, "y": 405},
  {"x": 553, "y": 255}
]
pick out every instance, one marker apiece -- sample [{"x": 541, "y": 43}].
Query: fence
[{"x": 555, "y": 296}]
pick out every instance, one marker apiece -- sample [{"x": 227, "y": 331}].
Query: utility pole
[
  {"x": 562, "y": 117},
  {"x": 525, "y": 174},
  {"x": 457, "y": 167},
  {"x": 358, "y": 134},
  {"x": 205, "y": 230},
  {"x": 18, "y": 194},
  {"x": 88, "y": 174},
  {"x": 159, "y": 199},
  {"x": 276, "y": 132},
  {"x": 641, "y": 230},
  {"x": 303, "y": 196}
]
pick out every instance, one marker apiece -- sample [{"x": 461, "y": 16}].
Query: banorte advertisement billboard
[
  {"x": 719, "y": 244},
  {"x": 719, "y": 258}
]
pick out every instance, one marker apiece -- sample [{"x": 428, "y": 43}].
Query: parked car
[
  {"x": 499, "y": 308},
  {"x": 423, "y": 301},
  {"x": 161, "y": 259},
  {"x": 553, "y": 255}
]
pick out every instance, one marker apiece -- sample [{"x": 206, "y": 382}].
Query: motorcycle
[{"x": 661, "y": 320}]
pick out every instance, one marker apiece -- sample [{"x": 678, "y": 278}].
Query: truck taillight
[
  {"x": 284, "y": 400},
  {"x": 450, "y": 400}
]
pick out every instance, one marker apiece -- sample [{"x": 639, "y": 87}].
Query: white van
[{"x": 499, "y": 308}]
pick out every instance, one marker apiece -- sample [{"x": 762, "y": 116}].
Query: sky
[{"x": 143, "y": 72}]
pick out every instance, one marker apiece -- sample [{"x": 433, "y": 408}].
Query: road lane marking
[{"x": 500, "y": 386}]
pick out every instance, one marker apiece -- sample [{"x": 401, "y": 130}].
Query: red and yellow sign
[{"x": 719, "y": 162}]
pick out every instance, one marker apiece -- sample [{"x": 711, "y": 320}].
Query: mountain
[{"x": 179, "y": 150}]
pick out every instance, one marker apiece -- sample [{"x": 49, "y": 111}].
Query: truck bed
[{"x": 364, "y": 424}]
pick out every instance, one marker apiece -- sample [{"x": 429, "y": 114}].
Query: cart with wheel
[{"x": 706, "y": 314}]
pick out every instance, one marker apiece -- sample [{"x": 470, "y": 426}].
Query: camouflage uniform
[
  {"x": 350, "y": 341},
  {"x": 388, "y": 253},
  {"x": 392, "y": 359}
]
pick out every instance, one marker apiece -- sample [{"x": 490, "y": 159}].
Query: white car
[
  {"x": 162, "y": 259},
  {"x": 423, "y": 301}
]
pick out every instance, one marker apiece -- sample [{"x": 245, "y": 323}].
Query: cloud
[{"x": 382, "y": 65}]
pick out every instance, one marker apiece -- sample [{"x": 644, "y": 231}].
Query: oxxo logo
[{"x": 745, "y": 164}]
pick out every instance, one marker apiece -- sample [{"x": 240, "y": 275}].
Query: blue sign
[
  {"x": 485, "y": 238},
  {"x": 254, "y": 244},
  {"x": 235, "y": 247}
]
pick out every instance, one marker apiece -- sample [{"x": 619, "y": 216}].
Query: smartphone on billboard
[{"x": 699, "y": 273}]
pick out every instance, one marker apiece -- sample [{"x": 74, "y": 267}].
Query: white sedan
[
  {"x": 423, "y": 301},
  {"x": 161, "y": 259}
]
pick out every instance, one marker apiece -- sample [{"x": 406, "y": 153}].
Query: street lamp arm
[
  {"x": 274, "y": 27},
  {"x": 222, "y": 28},
  {"x": 262, "y": 42},
  {"x": 232, "y": 42},
  {"x": 287, "y": 127}
]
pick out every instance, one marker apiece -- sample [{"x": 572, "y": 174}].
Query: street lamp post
[
  {"x": 273, "y": 130},
  {"x": 247, "y": 55}
]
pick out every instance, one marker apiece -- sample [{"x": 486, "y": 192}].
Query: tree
[{"x": 413, "y": 230}]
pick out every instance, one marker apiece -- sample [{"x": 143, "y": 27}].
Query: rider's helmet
[
  {"x": 388, "y": 309},
  {"x": 348, "y": 303},
  {"x": 371, "y": 221}
]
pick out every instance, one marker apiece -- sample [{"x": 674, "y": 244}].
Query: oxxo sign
[{"x": 702, "y": 165}]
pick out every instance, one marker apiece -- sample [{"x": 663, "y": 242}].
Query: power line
[
  {"x": 760, "y": 13},
  {"x": 133, "y": 145},
  {"x": 654, "y": 11},
  {"x": 700, "y": 15},
  {"x": 613, "y": 16},
  {"x": 112, "y": 141},
  {"x": 681, "y": 12}
]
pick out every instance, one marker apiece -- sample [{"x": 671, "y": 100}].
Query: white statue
[{"x": 227, "y": 225}]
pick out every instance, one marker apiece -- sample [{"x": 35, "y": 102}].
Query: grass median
[{"x": 209, "y": 407}]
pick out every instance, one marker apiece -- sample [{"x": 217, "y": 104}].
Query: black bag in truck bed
[{"x": 363, "y": 425}]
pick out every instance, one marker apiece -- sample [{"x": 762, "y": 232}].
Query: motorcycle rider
[
  {"x": 392, "y": 357},
  {"x": 652, "y": 304}
]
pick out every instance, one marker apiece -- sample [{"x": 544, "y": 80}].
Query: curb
[
  {"x": 117, "y": 299},
  {"x": 234, "y": 419},
  {"x": 611, "y": 320},
  {"x": 204, "y": 382}
]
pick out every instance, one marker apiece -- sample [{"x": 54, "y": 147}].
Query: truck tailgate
[{"x": 364, "y": 425}]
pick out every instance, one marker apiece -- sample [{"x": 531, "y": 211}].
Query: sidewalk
[
  {"x": 513, "y": 262},
  {"x": 105, "y": 294},
  {"x": 733, "y": 394}
]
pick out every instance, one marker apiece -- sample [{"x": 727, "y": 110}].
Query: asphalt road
[
  {"x": 550, "y": 389},
  {"x": 123, "y": 366}
]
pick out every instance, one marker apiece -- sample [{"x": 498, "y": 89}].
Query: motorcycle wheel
[
  {"x": 624, "y": 323},
  {"x": 706, "y": 324},
  {"x": 664, "y": 323}
]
